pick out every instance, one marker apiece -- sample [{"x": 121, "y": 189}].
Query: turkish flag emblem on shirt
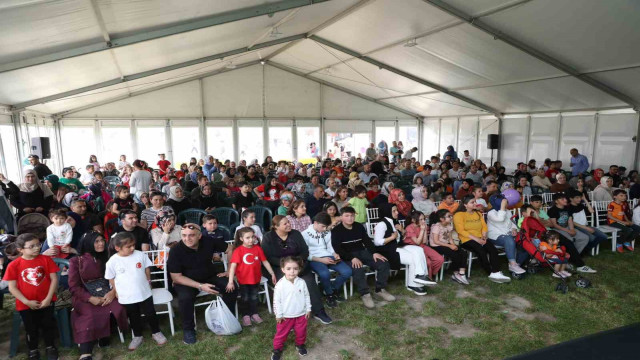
[
  {"x": 33, "y": 276},
  {"x": 138, "y": 265}
]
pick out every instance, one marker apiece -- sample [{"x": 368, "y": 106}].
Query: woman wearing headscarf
[
  {"x": 166, "y": 233},
  {"x": 91, "y": 315},
  {"x": 594, "y": 181},
  {"x": 69, "y": 198},
  {"x": 354, "y": 181},
  {"x": 34, "y": 196},
  {"x": 177, "y": 201},
  {"x": 206, "y": 200},
  {"x": 604, "y": 191},
  {"x": 398, "y": 198},
  {"x": 421, "y": 201},
  {"x": 387, "y": 238},
  {"x": 52, "y": 181}
]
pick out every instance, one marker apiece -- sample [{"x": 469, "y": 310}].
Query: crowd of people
[{"x": 427, "y": 215}]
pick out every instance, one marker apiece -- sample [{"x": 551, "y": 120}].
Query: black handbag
[{"x": 98, "y": 287}]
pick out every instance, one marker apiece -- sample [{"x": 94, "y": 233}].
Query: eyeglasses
[{"x": 33, "y": 247}]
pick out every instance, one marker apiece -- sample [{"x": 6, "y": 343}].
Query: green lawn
[{"x": 480, "y": 321}]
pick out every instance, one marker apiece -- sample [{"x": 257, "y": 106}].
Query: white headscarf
[
  {"x": 172, "y": 193},
  {"x": 385, "y": 188},
  {"x": 31, "y": 187}
]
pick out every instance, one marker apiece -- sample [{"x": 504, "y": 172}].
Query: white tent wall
[
  {"x": 464, "y": 133},
  {"x": 234, "y": 102},
  {"x": 605, "y": 138}
]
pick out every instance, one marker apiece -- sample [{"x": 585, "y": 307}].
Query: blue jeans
[
  {"x": 508, "y": 242},
  {"x": 594, "y": 239},
  {"x": 344, "y": 273}
]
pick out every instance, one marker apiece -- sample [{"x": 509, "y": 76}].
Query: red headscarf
[
  {"x": 404, "y": 207},
  {"x": 597, "y": 175}
]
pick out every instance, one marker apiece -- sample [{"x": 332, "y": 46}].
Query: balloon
[{"x": 512, "y": 196}]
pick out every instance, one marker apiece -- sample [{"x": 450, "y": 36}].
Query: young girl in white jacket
[
  {"x": 502, "y": 232},
  {"x": 292, "y": 307}
]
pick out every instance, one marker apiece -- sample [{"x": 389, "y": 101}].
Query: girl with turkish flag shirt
[
  {"x": 33, "y": 281},
  {"x": 246, "y": 264}
]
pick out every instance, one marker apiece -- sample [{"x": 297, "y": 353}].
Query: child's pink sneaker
[
  {"x": 256, "y": 318},
  {"x": 246, "y": 320}
]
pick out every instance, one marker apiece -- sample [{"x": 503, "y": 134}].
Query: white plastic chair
[
  {"x": 161, "y": 296},
  {"x": 331, "y": 273},
  {"x": 472, "y": 256},
  {"x": 368, "y": 272},
  {"x": 372, "y": 214},
  {"x": 263, "y": 282},
  {"x": 547, "y": 198},
  {"x": 600, "y": 218}
]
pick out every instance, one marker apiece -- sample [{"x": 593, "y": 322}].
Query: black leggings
[
  {"x": 134, "y": 313},
  {"x": 487, "y": 253},
  {"x": 457, "y": 257},
  {"x": 36, "y": 320},
  {"x": 249, "y": 295}
]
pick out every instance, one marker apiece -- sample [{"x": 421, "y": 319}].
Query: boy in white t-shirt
[
  {"x": 128, "y": 272},
  {"x": 59, "y": 233}
]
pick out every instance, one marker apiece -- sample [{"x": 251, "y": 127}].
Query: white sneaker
[
  {"x": 135, "y": 343},
  {"x": 516, "y": 269},
  {"x": 586, "y": 269},
  {"x": 565, "y": 273},
  {"x": 498, "y": 277}
]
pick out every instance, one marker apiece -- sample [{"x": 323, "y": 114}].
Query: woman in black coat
[{"x": 33, "y": 196}]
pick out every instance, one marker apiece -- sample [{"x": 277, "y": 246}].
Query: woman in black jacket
[
  {"x": 33, "y": 196},
  {"x": 281, "y": 242}
]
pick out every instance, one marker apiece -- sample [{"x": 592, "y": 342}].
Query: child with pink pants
[{"x": 292, "y": 307}]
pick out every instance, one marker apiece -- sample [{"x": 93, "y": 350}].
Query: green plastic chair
[
  {"x": 191, "y": 216},
  {"x": 226, "y": 215},
  {"x": 263, "y": 216},
  {"x": 61, "y": 315}
]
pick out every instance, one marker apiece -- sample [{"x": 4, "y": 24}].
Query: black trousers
[
  {"x": 249, "y": 295},
  {"x": 359, "y": 278},
  {"x": 36, "y": 320},
  {"x": 134, "y": 313},
  {"x": 487, "y": 253},
  {"x": 312, "y": 286},
  {"x": 574, "y": 255},
  {"x": 187, "y": 299},
  {"x": 458, "y": 257}
]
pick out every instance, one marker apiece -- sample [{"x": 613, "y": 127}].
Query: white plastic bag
[{"x": 220, "y": 319}]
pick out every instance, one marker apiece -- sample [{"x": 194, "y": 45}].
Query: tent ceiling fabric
[{"x": 418, "y": 39}]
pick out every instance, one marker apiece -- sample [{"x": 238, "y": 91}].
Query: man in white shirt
[
  {"x": 467, "y": 159},
  {"x": 409, "y": 153},
  {"x": 88, "y": 178},
  {"x": 455, "y": 170},
  {"x": 366, "y": 175}
]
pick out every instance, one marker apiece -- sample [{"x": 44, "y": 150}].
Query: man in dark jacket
[
  {"x": 350, "y": 240},
  {"x": 41, "y": 169}
]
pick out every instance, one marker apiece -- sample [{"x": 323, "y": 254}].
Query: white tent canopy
[{"x": 434, "y": 60}]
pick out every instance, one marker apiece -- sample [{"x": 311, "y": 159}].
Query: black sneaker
[
  {"x": 420, "y": 291},
  {"x": 189, "y": 337},
  {"x": 34, "y": 354},
  {"x": 104, "y": 343},
  {"x": 302, "y": 350},
  {"x": 276, "y": 354},
  {"x": 52, "y": 353},
  {"x": 323, "y": 317},
  {"x": 331, "y": 301},
  {"x": 339, "y": 297}
]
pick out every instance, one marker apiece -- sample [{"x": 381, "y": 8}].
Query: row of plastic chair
[{"x": 226, "y": 216}]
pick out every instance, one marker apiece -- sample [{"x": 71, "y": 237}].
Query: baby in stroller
[{"x": 554, "y": 254}]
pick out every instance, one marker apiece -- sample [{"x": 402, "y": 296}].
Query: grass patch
[{"x": 480, "y": 321}]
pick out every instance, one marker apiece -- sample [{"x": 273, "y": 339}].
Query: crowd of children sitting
[{"x": 429, "y": 214}]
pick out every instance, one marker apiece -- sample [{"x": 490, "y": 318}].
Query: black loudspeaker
[
  {"x": 493, "y": 141},
  {"x": 40, "y": 146}
]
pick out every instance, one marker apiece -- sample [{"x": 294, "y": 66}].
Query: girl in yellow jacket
[{"x": 472, "y": 231}]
